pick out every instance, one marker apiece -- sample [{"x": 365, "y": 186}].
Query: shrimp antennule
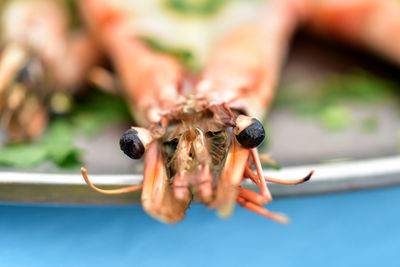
[
  {"x": 253, "y": 177},
  {"x": 117, "y": 191}
]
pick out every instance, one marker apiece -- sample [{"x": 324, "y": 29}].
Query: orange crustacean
[{"x": 201, "y": 134}]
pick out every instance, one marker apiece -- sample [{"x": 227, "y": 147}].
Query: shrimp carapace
[{"x": 198, "y": 143}]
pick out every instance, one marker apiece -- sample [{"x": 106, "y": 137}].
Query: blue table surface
[{"x": 345, "y": 229}]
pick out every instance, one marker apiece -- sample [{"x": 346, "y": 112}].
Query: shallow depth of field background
[{"x": 333, "y": 104}]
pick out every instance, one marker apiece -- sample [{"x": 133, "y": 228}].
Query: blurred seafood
[
  {"x": 41, "y": 65},
  {"x": 369, "y": 24}
]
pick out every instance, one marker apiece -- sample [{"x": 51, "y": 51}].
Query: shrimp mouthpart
[{"x": 194, "y": 153}]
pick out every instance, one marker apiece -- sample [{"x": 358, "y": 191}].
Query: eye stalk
[
  {"x": 248, "y": 131},
  {"x": 135, "y": 141}
]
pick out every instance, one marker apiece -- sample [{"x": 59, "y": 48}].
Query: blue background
[{"x": 345, "y": 229}]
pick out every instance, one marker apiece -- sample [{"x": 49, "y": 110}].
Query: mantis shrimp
[
  {"x": 201, "y": 133},
  {"x": 41, "y": 64}
]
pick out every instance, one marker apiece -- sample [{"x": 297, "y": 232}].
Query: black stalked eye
[
  {"x": 131, "y": 144},
  {"x": 249, "y": 132}
]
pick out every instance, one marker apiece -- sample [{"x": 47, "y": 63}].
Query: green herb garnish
[
  {"x": 73, "y": 12},
  {"x": 272, "y": 166},
  {"x": 57, "y": 145},
  {"x": 335, "y": 117},
  {"x": 99, "y": 111},
  {"x": 369, "y": 124},
  {"x": 195, "y": 7},
  {"x": 184, "y": 56},
  {"x": 329, "y": 99}
]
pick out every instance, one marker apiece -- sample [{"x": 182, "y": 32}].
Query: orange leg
[
  {"x": 253, "y": 201},
  {"x": 252, "y": 176},
  {"x": 262, "y": 184},
  {"x": 252, "y": 196},
  {"x": 110, "y": 191},
  {"x": 248, "y": 173},
  {"x": 259, "y": 199},
  {"x": 281, "y": 218}
]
